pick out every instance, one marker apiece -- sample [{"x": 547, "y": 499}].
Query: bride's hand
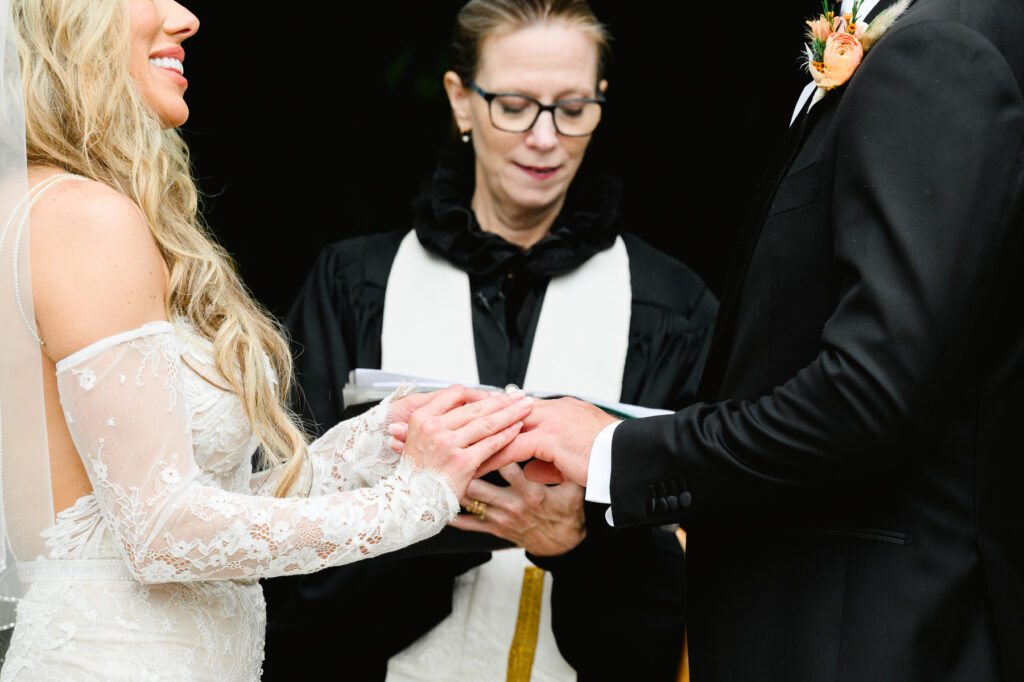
[
  {"x": 402, "y": 409},
  {"x": 456, "y": 430}
]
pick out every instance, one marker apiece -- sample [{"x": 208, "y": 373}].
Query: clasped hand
[
  {"x": 456, "y": 429},
  {"x": 555, "y": 435},
  {"x": 543, "y": 520}
]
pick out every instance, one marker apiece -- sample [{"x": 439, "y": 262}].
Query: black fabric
[
  {"x": 609, "y": 633},
  {"x": 852, "y": 471},
  {"x": 370, "y": 610},
  {"x": 445, "y": 223}
]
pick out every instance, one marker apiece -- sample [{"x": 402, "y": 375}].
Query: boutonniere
[{"x": 837, "y": 44}]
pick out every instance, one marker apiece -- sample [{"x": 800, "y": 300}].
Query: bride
[{"x": 134, "y": 356}]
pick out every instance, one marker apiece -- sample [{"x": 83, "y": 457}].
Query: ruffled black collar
[{"x": 445, "y": 223}]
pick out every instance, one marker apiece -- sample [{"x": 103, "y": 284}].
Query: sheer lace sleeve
[
  {"x": 124, "y": 406},
  {"x": 353, "y": 454}
]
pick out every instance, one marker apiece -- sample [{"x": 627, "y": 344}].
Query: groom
[{"x": 851, "y": 482}]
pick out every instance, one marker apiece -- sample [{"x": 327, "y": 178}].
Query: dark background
[{"x": 320, "y": 122}]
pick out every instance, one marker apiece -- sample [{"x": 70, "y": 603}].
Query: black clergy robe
[{"x": 619, "y": 591}]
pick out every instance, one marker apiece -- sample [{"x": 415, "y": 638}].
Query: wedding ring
[{"x": 477, "y": 508}]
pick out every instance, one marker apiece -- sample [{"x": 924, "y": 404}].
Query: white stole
[
  {"x": 580, "y": 348},
  {"x": 581, "y": 339},
  {"x": 428, "y": 321}
]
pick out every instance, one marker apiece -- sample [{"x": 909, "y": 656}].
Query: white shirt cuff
[{"x": 599, "y": 471}]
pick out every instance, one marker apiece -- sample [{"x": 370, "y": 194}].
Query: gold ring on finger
[{"x": 477, "y": 508}]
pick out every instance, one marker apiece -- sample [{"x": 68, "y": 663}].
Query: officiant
[{"x": 516, "y": 271}]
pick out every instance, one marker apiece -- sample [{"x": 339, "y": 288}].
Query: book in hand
[{"x": 368, "y": 386}]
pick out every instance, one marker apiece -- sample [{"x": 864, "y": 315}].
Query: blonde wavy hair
[{"x": 84, "y": 114}]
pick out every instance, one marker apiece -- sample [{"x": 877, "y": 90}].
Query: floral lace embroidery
[
  {"x": 169, "y": 457},
  {"x": 172, "y": 527}
]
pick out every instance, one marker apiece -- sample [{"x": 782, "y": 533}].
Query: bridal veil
[{"x": 25, "y": 492}]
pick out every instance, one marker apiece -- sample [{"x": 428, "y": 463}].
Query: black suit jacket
[{"x": 849, "y": 481}]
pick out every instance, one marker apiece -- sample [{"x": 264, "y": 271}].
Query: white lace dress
[{"x": 153, "y": 575}]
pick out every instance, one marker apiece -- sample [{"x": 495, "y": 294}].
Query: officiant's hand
[
  {"x": 559, "y": 435},
  {"x": 454, "y": 432},
  {"x": 543, "y": 520}
]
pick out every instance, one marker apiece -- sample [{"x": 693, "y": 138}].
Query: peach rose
[
  {"x": 843, "y": 53},
  {"x": 819, "y": 29}
]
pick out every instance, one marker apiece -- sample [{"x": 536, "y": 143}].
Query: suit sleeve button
[
  {"x": 662, "y": 505},
  {"x": 673, "y": 503},
  {"x": 650, "y": 505},
  {"x": 685, "y": 499}
]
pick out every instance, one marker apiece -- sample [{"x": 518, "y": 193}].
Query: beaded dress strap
[{"x": 39, "y": 190}]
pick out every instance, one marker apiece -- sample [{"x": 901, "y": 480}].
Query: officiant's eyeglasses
[{"x": 514, "y": 113}]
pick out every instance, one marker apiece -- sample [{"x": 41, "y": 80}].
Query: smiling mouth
[
  {"x": 168, "y": 63},
  {"x": 539, "y": 172}
]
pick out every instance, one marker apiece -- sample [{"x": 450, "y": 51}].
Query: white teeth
[{"x": 168, "y": 63}]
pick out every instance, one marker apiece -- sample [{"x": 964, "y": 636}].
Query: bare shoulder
[
  {"x": 96, "y": 268},
  {"x": 85, "y": 201}
]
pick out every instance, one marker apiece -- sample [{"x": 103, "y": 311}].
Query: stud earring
[{"x": 467, "y": 135}]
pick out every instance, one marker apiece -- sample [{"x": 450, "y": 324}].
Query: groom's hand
[{"x": 559, "y": 434}]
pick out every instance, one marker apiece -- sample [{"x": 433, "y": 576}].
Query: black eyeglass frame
[{"x": 489, "y": 97}]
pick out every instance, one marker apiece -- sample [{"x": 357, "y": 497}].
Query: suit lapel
[{"x": 725, "y": 327}]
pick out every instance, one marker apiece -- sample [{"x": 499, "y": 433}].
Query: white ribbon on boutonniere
[{"x": 837, "y": 43}]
